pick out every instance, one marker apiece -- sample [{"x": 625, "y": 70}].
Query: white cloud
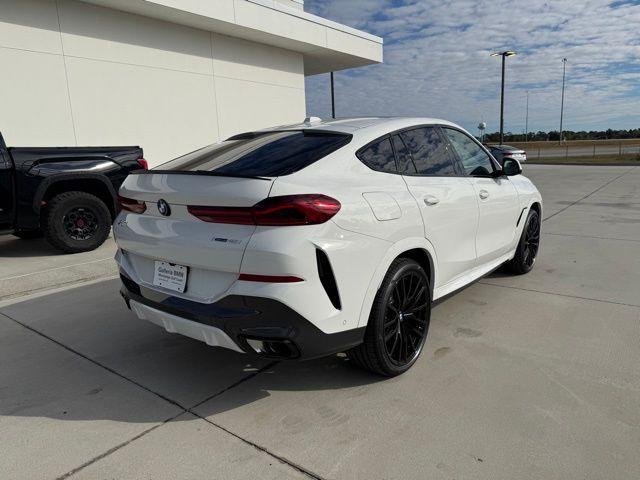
[{"x": 437, "y": 61}]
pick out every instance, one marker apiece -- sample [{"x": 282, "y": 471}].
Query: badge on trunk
[{"x": 163, "y": 208}]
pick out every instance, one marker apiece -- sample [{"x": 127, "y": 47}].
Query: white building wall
[{"x": 73, "y": 73}]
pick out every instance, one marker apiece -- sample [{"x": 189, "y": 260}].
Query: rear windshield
[{"x": 271, "y": 154}]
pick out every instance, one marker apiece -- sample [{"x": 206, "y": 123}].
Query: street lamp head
[{"x": 507, "y": 53}]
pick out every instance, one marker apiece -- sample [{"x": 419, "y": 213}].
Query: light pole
[
  {"x": 526, "y": 122},
  {"x": 564, "y": 71},
  {"x": 504, "y": 55},
  {"x": 333, "y": 98}
]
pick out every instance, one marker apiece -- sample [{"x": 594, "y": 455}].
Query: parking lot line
[
  {"x": 483, "y": 282},
  {"x": 112, "y": 450},
  {"x": 14, "y": 277},
  {"x": 593, "y": 236},
  {"x": 589, "y": 194}
]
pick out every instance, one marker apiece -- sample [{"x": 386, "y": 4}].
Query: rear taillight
[
  {"x": 288, "y": 210},
  {"x": 143, "y": 163},
  {"x": 506, "y": 154},
  {"x": 131, "y": 205},
  {"x": 295, "y": 210}
]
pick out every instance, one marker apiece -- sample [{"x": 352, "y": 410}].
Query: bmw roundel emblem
[{"x": 163, "y": 208}]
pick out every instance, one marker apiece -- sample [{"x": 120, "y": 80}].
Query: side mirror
[{"x": 511, "y": 167}]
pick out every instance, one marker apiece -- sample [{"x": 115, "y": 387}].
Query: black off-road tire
[
  {"x": 528, "y": 246},
  {"x": 28, "y": 234},
  {"x": 373, "y": 353},
  {"x": 56, "y": 222}
]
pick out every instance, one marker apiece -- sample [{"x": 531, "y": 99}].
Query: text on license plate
[{"x": 170, "y": 276}]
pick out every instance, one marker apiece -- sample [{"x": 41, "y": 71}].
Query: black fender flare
[{"x": 52, "y": 180}]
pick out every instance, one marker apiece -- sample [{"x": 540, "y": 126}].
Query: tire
[
  {"x": 388, "y": 358},
  {"x": 28, "y": 234},
  {"x": 528, "y": 246},
  {"x": 76, "y": 222}
]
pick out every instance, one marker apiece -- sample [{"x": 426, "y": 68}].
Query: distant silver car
[{"x": 500, "y": 152}]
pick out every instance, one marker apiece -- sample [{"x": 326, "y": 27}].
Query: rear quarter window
[
  {"x": 379, "y": 156},
  {"x": 270, "y": 154}
]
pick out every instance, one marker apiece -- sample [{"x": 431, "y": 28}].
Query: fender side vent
[
  {"x": 327, "y": 278},
  {"x": 520, "y": 217}
]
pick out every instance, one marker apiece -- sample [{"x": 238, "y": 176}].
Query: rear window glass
[{"x": 271, "y": 154}]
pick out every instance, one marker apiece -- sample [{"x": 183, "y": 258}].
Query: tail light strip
[
  {"x": 131, "y": 205},
  {"x": 287, "y": 210}
]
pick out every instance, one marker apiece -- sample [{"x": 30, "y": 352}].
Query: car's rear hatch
[
  {"x": 211, "y": 252},
  {"x": 236, "y": 173}
]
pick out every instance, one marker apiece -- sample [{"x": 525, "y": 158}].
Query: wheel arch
[
  {"x": 96, "y": 185},
  {"x": 537, "y": 207},
  {"x": 418, "y": 249}
]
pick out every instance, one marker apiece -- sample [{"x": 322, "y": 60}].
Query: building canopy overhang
[{"x": 326, "y": 46}]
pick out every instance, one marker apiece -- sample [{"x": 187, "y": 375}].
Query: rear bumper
[{"x": 247, "y": 324}]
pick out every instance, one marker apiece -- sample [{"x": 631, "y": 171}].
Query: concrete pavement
[
  {"x": 29, "y": 266},
  {"x": 522, "y": 377}
]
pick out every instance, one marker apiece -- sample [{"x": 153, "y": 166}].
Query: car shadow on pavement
[
  {"x": 501, "y": 272},
  {"x": 81, "y": 355},
  {"x": 13, "y": 247},
  {"x": 334, "y": 373}
]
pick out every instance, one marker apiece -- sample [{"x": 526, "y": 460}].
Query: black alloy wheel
[
  {"x": 531, "y": 240},
  {"x": 80, "y": 223},
  {"x": 405, "y": 325},
  {"x": 76, "y": 222},
  {"x": 528, "y": 247},
  {"x": 398, "y": 322}
]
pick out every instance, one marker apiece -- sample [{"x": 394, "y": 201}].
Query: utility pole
[
  {"x": 502, "y": 104},
  {"x": 333, "y": 97},
  {"x": 504, "y": 55},
  {"x": 564, "y": 70},
  {"x": 526, "y": 122}
]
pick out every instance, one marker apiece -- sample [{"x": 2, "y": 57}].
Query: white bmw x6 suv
[{"x": 324, "y": 237}]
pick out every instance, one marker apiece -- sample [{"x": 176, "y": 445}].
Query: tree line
[{"x": 554, "y": 135}]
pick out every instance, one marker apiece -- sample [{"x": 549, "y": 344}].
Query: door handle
[
  {"x": 484, "y": 194},
  {"x": 430, "y": 200}
]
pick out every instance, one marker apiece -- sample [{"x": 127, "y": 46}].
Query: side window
[
  {"x": 429, "y": 150},
  {"x": 379, "y": 156},
  {"x": 403, "y": 156},
  {"x": 475, "y": 160}
]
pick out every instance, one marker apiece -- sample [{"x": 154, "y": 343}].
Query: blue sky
[{"x": 437, "y": 62}]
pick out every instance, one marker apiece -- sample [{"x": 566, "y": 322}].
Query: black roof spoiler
[{"x": 305, "y": 131}]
